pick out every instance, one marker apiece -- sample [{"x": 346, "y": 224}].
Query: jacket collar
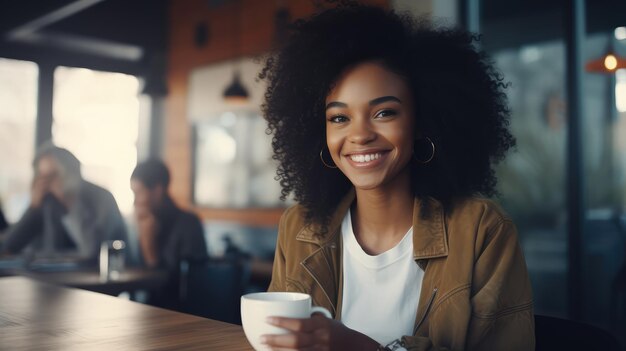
[
  {"x": 311, "y": 233},
  {"x": 325, "y": 263},
  {"x": 429, "y": 234}
]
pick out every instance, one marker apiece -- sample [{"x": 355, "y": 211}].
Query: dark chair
[
  {"x": 561, "y": 334},
  {"x": 618, "y": 298},
  {"x": 213, "y": 288},
  {"x": 618, "y": 286}
]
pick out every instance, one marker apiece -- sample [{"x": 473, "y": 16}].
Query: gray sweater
[{"x": 52, "y": 229}]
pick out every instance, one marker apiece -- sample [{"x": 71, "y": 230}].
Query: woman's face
[{"x": 369, "y": 125}]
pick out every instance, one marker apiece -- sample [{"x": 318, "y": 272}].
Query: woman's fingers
[
  {"x": 298, "y": 341},
  {"x": 305, "y": 325},
  {"x": 313, "y": 348},
  {"x": 322, "y": 335},
  {"x": 308, "y": 334}
]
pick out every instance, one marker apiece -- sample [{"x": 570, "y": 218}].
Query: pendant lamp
[{"x": 235, "y": 92}]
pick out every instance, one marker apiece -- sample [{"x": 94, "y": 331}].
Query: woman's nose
[{"x": 361, "y": 132}]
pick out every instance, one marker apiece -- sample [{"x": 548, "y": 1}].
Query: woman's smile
[{"x": 367, "y": 159}]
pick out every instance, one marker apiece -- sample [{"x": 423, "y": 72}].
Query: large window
[
  {"x": 233, "y": 166},
  {"x": 18, "y": 98},
  {"x": 233, "y": 163},
  {"x": 96, "y": 117}
]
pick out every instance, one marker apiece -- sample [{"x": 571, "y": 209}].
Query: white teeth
[{"x": 365, "y": 158}]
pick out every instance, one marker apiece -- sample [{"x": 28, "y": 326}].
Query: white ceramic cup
[{"x": 256, "y": 307}]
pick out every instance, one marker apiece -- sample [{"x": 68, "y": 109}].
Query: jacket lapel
[
  {"x": 324, "y": 264},
  {"x": 430, "y": 241},
  {"x": 320, "y": 266}
]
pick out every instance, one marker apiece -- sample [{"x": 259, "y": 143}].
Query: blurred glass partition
[
  {"x": 532, "y": 178},
  {"x": 604, "y": 182},
  {"x": 604, "y": 240},
  {"x": 619, "y": 137},
  {"x": 96, "y": 116},
  {"x": 18, "y": 98}
]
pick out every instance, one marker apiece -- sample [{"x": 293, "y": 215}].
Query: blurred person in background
[
  {"x": 67, "y": 216},
  {"x": 167, "y": 234},
  {"x": 3, "y": 222},
  {"x": 3, "y": 225}
]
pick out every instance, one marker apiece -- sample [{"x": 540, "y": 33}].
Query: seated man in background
[
  {"x": 67, "y": 215},
  {"x": 167, "y": 234}
]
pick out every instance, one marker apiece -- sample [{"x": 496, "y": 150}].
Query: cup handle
[{"x": 322, "y": 310}]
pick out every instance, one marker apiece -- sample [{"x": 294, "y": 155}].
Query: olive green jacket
[{"x": 475, "y": 294}]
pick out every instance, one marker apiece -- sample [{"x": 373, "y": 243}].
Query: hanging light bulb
[{"x": 610, "y": 62}]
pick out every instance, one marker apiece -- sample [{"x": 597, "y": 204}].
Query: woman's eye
[
  {"x": 386, "y": 113},
  {"x": 338, "y": 119}
]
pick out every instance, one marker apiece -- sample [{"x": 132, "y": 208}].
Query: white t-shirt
[{"x": 380, "y": 293}]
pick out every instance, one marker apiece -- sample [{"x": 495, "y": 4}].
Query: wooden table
[
  {"x": 41, "y": 316},
  {"x": 89, "y": 279}
]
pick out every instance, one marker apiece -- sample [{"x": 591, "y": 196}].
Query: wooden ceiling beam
[{"x": 49, "y": 18}]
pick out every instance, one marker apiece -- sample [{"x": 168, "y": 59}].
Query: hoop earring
[
  {"x": 324, "y": 162},
  {"x": 432, "y": 154}
]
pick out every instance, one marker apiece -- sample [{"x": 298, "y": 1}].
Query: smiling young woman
[{"x": 387, "y": 131}]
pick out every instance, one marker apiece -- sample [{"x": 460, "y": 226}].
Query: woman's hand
[{"x": 316, "y": 333}]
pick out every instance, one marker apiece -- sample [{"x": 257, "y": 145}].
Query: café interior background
[{"x": 117, "y": 81}]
